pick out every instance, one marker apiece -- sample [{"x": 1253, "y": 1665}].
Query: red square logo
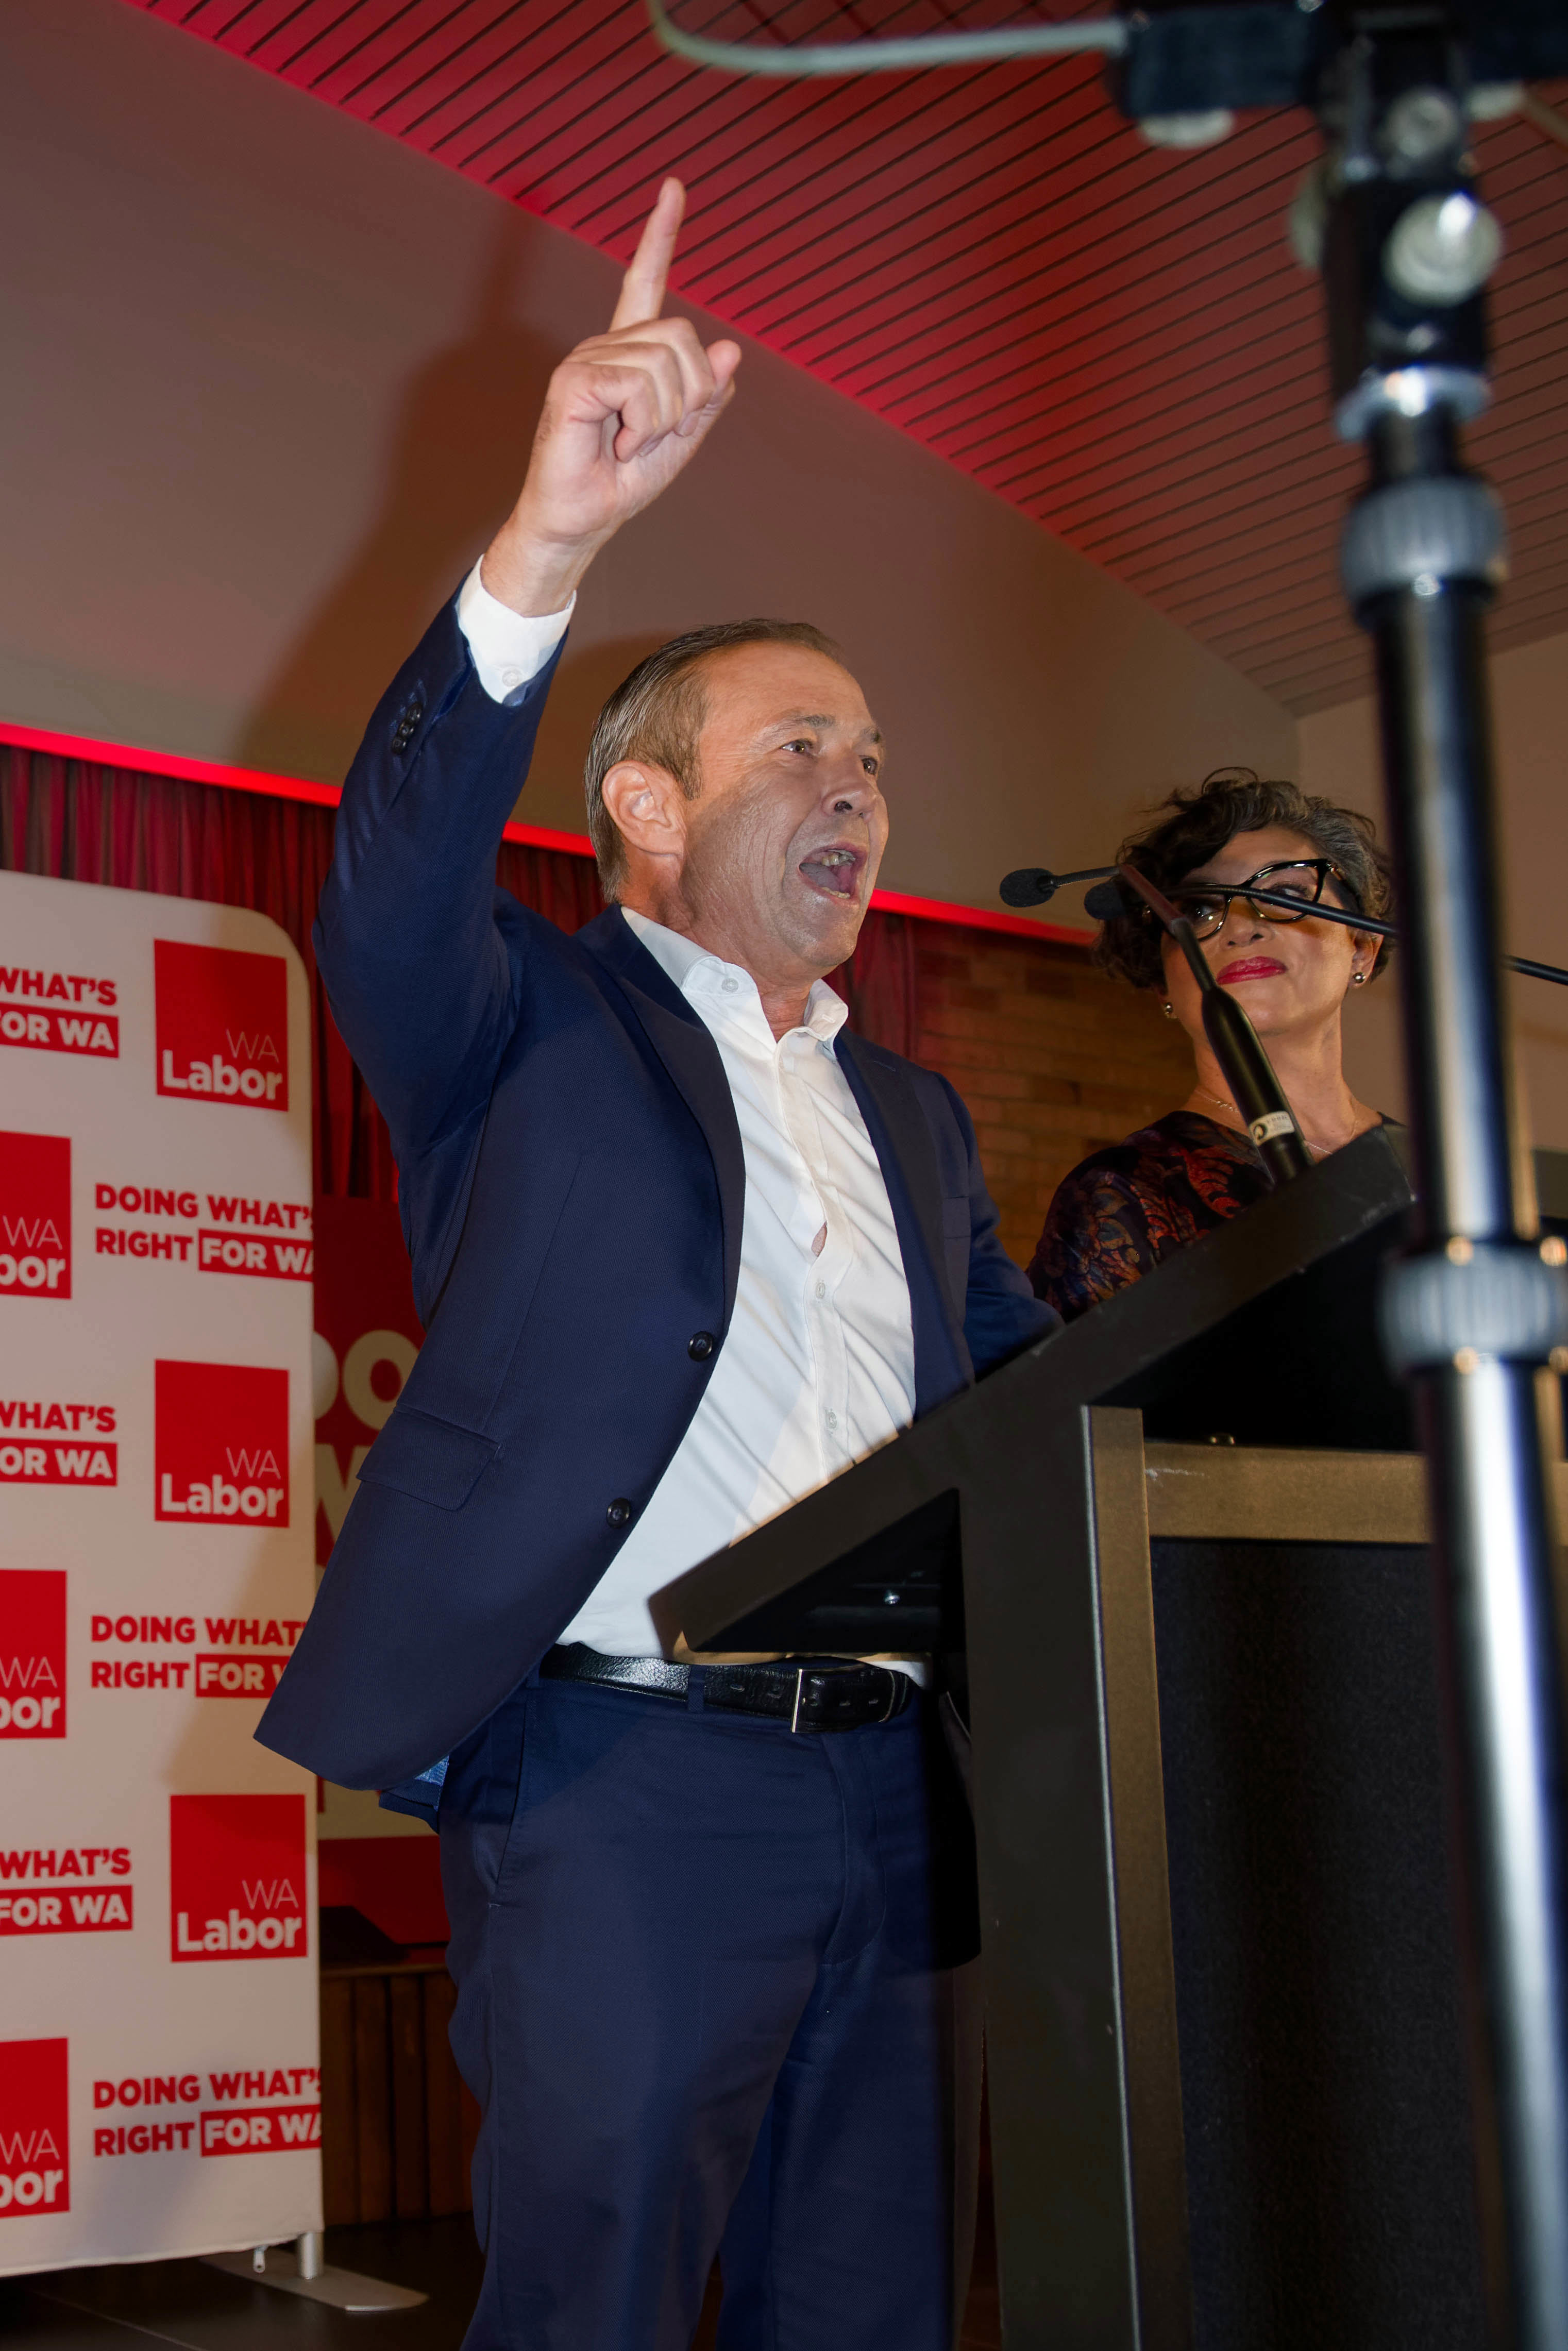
[
  {"x": 34, "y": 2129},
  {"x": 35, "y": 1215},
  {"x": 221, "y": 1443},
  {"x": 31, "y": 1653},
  {"x": 222, "y": 1025},
  {"x": 237, "y": 1878}
]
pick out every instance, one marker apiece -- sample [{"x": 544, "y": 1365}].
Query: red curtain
[{"x": 76, "y": 821}]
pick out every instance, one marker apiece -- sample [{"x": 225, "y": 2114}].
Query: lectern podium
[{"x": 1181, "y": 1546}]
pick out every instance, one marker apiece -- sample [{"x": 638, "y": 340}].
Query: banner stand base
[{"x": 298, "y": 2269}]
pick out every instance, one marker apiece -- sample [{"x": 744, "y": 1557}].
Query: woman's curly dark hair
[{"x": 1198, "y": 825}]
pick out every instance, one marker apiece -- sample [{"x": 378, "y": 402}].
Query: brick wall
[{"x": 1052, "y": 1058}]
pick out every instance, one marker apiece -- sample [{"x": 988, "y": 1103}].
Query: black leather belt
[{"x": 812, "y": 1696}]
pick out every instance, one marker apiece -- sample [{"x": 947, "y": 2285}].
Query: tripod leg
[{"x": 1471, "y": 1319}]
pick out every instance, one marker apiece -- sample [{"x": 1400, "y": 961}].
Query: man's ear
[{"x": 647, "y": 807}]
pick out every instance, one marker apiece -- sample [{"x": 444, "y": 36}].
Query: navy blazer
[{"x": 571, "y": 1185}]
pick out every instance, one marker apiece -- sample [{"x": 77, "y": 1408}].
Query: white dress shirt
[
  {"x": 509, "y": 649},
  {"x": 817, "y": 1366}
]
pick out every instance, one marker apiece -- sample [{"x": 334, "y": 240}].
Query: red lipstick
[{"x": 1249, "y": 967}]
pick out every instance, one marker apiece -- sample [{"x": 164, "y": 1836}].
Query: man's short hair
[{"x": 658, "y": 713}]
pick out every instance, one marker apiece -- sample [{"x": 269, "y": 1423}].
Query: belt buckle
[{"x": 885, "y": 1716}]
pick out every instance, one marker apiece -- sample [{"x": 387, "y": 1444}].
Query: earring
[
  {"x": 1169, "y": 1009},
  {"x": 1358, "y": 979}
]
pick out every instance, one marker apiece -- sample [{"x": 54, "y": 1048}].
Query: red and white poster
[{"x": 157, "y": 1550}]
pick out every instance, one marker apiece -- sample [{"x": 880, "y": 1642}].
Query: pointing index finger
[{"x": 642, "y": 288}]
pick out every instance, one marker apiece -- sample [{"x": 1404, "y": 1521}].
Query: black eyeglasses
[{"x": 1303, "y": 880}]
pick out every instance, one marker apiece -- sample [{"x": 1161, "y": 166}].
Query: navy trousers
[{"x": 707, "y": 1979}]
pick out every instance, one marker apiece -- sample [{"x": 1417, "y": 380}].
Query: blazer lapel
[
  {"x": 907, "y": 1152},
  {"x": 692, "y": 1060},
  {"x": 900, "y": 1136}
]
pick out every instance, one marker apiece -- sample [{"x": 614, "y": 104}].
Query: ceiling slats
[{"x": 1114, "y": 338}]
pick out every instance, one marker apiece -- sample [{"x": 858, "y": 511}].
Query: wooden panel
[
  {"x": 373, "y": 2098},
  {"x": 448, "y": 2173},
  {"x": 1262, "y": 1494},
  {"x": 411, "y": 2169},
  {"x": 1254, "y": 1493},
  {"x": 397, "y": 2125},
  {"x": 340, "y": 2138}
]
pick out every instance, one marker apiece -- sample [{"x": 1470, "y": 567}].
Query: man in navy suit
[{"x": 684, "y": 1248}]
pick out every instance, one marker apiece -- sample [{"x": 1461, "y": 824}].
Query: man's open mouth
[{"x": 836, "y": 871}]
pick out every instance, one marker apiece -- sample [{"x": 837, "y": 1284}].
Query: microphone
[
  {"x": 1031, "y": 886},
  {"x": 1109, "y": 899}
]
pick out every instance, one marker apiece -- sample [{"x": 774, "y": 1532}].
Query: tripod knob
[{"x": 1442, "y": 249}]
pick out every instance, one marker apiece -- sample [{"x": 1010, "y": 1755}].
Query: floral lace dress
[{"x": 1123, "y": 1208}]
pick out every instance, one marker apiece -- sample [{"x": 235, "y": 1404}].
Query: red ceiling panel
[{"x": 1114, "y": 338}]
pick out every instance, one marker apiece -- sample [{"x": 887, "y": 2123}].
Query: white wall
[
  {"x": 269, "y": 381},
  {"x": 1530, "y": 702}
]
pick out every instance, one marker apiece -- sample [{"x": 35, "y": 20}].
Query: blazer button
[
  {"x": 700, "y": 1346},
  {"x": 620, "y": 1512}
]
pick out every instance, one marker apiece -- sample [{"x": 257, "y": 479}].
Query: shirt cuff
[{"x": 509, "y": 648}]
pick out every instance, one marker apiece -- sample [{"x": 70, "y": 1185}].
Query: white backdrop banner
[{"x": 159, "y": 2069}]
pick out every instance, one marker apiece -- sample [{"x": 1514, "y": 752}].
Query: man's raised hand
[{"x": 625, "y": 412}]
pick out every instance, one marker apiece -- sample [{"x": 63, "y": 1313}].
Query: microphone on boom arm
[
  {"x": 1109, "y": 899},
  {"x": 1031, "y": 886},
  {"x": 1254, "y": 1088}
]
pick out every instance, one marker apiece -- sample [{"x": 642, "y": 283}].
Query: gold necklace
[{"x": 1318, "y": 1150}]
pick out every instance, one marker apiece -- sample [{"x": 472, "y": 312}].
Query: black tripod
[
  {"x": 1475, "y": 1315},
  {"x": 1477, "y": 1312}
]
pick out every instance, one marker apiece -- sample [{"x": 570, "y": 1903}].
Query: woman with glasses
[{"x": 1125, "y": 1207}]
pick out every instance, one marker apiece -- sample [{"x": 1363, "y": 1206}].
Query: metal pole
[
  {"x": 1479, "y": 1409},
  {"x": 1479, "y": 1308}
]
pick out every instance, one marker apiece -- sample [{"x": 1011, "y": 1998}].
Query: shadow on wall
[
  {"x": 457, "y": 458},
  {"x": 583, "y": 683},
  {"x": 455, "y": 462}
]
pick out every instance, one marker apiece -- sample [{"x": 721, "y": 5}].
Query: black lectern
[{"x": 1181, "y": 1546}]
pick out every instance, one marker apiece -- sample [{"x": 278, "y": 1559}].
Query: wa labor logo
[
  {"x": 34, "y": 2129},
  {"x": 35, "y": 1215},
  {"x": 222, "y": 1025},
  {"x": 31, "y": 1653},
  {"x": 237, "y": 1878},
  {"x": 221, "y": 1443}
]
